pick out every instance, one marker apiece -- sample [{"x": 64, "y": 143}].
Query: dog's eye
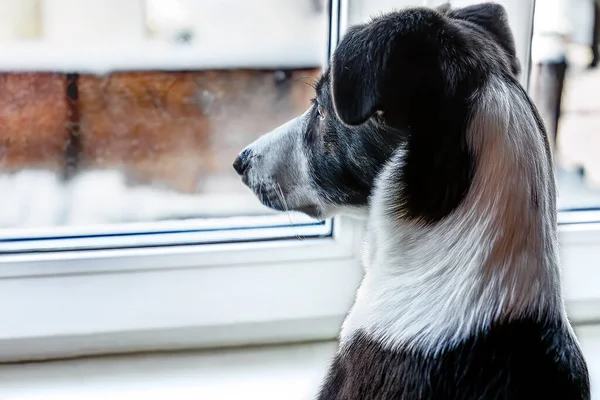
[{"x": 321, "y": 111}]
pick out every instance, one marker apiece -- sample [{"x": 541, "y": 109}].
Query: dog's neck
[{"x": 494, "y": 258}]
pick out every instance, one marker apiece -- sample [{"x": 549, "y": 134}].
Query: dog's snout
[{"x": 241, "y": 162}]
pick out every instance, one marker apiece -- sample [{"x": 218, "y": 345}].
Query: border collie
[{"x": 421, "y": 124}]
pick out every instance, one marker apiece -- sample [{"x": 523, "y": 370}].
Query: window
[
  {"x": 564, "y": 79},
  {"x": 121, "y": 122},
  {"x": 122, "y": 224},
  {"x": 121, "y": 213}
]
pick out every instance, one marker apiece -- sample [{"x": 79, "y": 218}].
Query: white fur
[
  {"x": 494, "y": 257},
  {"x": 356, "y": 212},
  {"x": 280, "y": 153}
]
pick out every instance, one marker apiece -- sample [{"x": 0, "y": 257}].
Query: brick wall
[
  {"x": 175, "y": 128},
  {"x": 33, "y": 116}
]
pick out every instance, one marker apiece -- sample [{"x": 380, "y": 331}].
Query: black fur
[
  {"x": 344, "y": 160},
  {"x": 413, "y": 75},
  {"x": 490, "y": 18},
  {"x": 406, "y": 77},
  {"x": 521, "y": 360},
  {"x": 420, "y": 68},
  {"x": 409, "y": 80}
]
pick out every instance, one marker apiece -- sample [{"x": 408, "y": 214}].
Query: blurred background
[
  {"x": 122, "y": 111},
  {"x": 565, "y": 85},
  {"x": 117, "y": 111}
]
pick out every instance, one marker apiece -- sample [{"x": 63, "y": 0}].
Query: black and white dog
[{"x": 421, "y": 124}]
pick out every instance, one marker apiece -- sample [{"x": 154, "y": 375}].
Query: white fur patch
[
  {"x": 495, "y": 257},
  {"x": 281, "y": 166}
]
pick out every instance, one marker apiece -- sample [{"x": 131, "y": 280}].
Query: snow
[{"x": 41, "y": 198}]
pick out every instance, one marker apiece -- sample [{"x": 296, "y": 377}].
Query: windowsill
[
  {"x": 253, "y": 293},
  {"x": 290, "y": 372}
]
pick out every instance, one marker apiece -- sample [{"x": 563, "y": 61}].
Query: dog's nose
[{"x": 241, "y": 162}]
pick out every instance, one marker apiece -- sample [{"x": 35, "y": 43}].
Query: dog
[{"x": 420, "y": 124}]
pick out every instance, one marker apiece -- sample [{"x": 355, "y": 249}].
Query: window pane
[
  {"x": 564, "y": 84},
  {"x": 118, "y": 112}
]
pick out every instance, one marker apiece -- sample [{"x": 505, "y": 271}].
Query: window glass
[
  {"x": 564, "y": 84},
  {"x": 118, "y": 112}
]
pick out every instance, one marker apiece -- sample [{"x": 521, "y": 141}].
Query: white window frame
[
  {"x": 61, "y": 304},
  {"x": 191, "y": 231},
  {"x": 82, "y": 302}
]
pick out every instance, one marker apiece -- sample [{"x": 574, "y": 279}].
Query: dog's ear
[
  {"x": 356, "y": 71},
  {"x": 378, "y": 67},
  {"x": 493, "y": 18}
]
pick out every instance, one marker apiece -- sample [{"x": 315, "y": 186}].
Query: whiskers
[
  {"x": 283, "y": 201},
  {"x": 272, "y": 195}
]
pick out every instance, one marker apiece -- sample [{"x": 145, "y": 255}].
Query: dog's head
[{"x": 405, "y": 76}]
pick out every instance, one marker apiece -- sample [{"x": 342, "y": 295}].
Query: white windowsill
[
  {"x": 291, "y": 372},
  {"x": 214, "y": 296}
]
